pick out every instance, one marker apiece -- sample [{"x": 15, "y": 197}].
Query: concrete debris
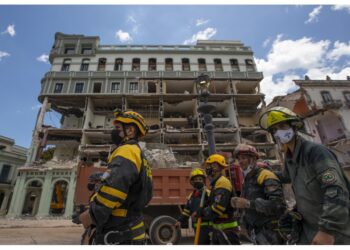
[{"x": 161, "y": 158}]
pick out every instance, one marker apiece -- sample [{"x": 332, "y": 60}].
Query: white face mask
[
  {"x": 248, "y": 169},
  {"x": 284, "y": 136}
]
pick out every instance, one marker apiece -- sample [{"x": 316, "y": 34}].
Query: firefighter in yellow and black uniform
[
  {"x": 127, "y": 186},
  {"x": 197, "y": 180},
  {"x": 218, "y": 209}
]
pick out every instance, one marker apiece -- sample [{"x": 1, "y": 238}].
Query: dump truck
[{"x": 171, "y": 188}]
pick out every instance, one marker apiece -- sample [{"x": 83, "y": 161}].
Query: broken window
[
  {"x": 118, "y": 64},
  {"x": 326, "y": 96},
  {"x": 101, "y": 64},
  {"x": 84, "y": 65},
  {"x": 201, "y": 65},
  {"x": 58, "y": 88},
  {"x": 135, "y": 64},
  {"x": 86, "y": 49},
  {"x": 134, "y": 87},
  {"x": 152, "y": 64},
  {"x": 185, "y": 64},
  {"x": 249, "y": 65},
  {"x": 115, "y": 87},
  {"x": 79, "y": 86},
  {"x": 69, "y": 49},
  {"x": 218, "y": 65},
  {"x": 234, "y": 65},
  {"x": 66, "y": 65},
  {"x": 5, "y": 172},
  {"x": 168, "y": 64},
  {"x": 347, "y": 96},
  {"x": 97, "y": 87},
  {"x": 152, "y": 87}
]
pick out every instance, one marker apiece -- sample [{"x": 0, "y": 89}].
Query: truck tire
[{"x": 163, "y": 232}]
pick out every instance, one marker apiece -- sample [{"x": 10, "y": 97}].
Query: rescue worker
[
  {"x": 197, "y": 180},
  {"x": 218, "y": 209},
  {"x": 126, "y": 189},
  {"x": 262, "y": 198},
  {"x": 321, "y": 189}
]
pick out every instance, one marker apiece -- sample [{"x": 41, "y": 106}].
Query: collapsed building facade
[{"x": 87, "y": 81}]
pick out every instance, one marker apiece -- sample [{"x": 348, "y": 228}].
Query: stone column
[
  {"x": 5, "y": 201},
  {"x": 70, "y": 196},
  {"x": 19, "y": 194},
  {"x": 45, "y": 199}
]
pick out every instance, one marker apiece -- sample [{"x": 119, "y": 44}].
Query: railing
[{"x": 332, "y": 104}]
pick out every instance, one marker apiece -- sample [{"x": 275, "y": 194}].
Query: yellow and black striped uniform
[
  {"x": 192, "y": 205},
  {"x": 125, "y": 192},
  {"x": 220, "y": 212}
]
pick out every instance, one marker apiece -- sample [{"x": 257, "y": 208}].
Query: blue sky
[{"x": 288, "y": 41}]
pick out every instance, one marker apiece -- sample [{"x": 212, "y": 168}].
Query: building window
[
  {"x": 135, "y": 64},
  {"x": 152, "y": 64},
  {"x": 218, "y": 65},
  {"x": 85, "y": 65},
  {"x": 234, "y": 65},
  {"x": 169, "y": 64},
  {"x": 134, "y": 87},
  {"x": 118, "y": 65},
  {"x": 201, "y": 65},
  {"x": 115, "y": 87},
  {"x": 97, "y": 87},
  {"x": 249, "y": 65},
  {"x": 185, "y": 64},
  {"x": 347, "y": 96},
  {"x": 5, "y": 173},
  {"x": 66, "y": 65},
  {"x": 79, "y": 86},
  {"x": 58, "y": 88},
  {"x": 101, "y": 64},
  {"x": 69, "y": 49},
  {"x": 326, "y": 96},
  {"x": 86, "y": 50}
]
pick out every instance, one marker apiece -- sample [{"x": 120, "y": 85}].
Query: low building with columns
[{"x": 11, "y": 158}]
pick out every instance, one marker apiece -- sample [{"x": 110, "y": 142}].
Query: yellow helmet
[
  {"x": 218, "y": 159},
  {"x": 197, "y": 172},
  {"x": 279, "y": 114},
  {"x": 131, "y": 117}
]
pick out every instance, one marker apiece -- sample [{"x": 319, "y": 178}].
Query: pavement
[{"x": 49, "y": 232}]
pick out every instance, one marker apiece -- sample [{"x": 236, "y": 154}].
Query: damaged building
[{"x": 87, "y": 81}]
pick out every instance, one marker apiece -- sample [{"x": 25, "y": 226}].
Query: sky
[{"x": 289, "y": 42}]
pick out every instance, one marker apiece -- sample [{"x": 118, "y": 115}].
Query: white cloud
[
  {"x": 341, "y": 7},
  {"x": 131, "y": 19},
  {"x": 340, "y": 49},
  {"x": 10, "y": 30},
  {"x": 266, "y": 42},
  {"x": 313, "y": 15},
  {"x": 123, "y": 36},
  {"x": 43, "y": 58},
  {"x": 287, "y": 55},
  {"x": 3, "y": 54},
  {"x": 201, "y": 21},
  {"x": 286, "y": 58},
  {"x": 201, "y": 35}
]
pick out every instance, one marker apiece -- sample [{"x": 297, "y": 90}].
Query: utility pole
[{"x": 202, "y": 86}]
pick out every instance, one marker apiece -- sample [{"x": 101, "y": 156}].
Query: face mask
[
  {"x": 284, "y": 136},
  {"x": 209, "y": 171},
  {"x": 116, "y": 138},
  {"x": 91, "y": 186},
  {"x": 198, "y": 185},
  {"x": 248, "y": 169}
]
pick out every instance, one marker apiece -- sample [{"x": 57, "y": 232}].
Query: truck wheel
[{"x": 162, "y": 231}]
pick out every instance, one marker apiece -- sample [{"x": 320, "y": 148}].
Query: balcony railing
[{"x": 332, "y": 104}]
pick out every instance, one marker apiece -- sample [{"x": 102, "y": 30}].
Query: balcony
[{"x": 332, "y": 104}]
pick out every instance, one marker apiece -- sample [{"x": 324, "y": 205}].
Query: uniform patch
[
  {"x": 328, "y": 177},
  {"x": 218, "y": 198}
]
